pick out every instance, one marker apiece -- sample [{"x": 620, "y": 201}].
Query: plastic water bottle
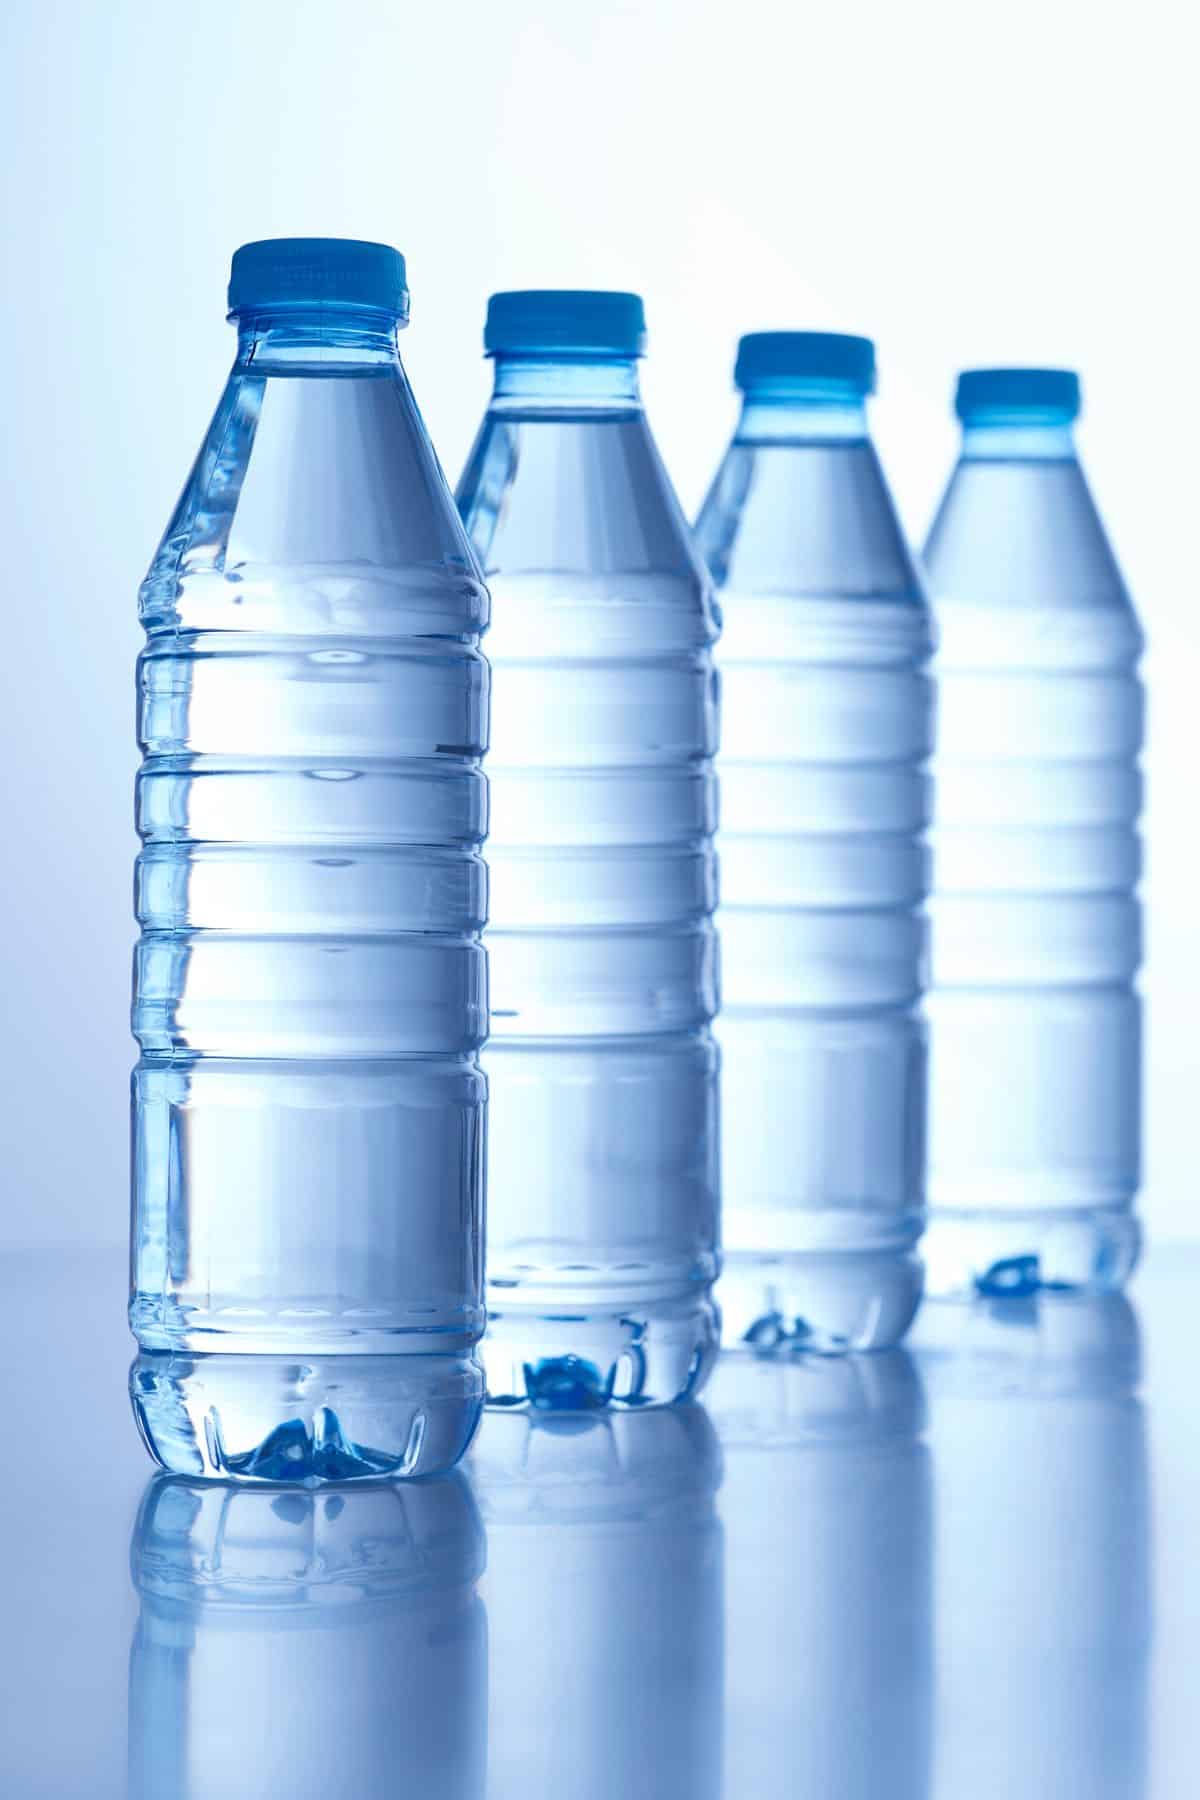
[
  {"x": 827, "y": 716},
  {"x": 604, "y": 1592},
  {"x": 602, "y": 1143},
  {"x": 308, "y": 1644},
  {"x": 1034, "y": 1017},
  {"x": 310, "y": 986}
]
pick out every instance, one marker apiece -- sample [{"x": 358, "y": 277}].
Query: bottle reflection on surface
[
  {"x": 604, "y": 1601},
  {"x": 1042, "y": 1510},
  {"x": 307, "y": 1645},
  {"x": 826, "y": 1501}
]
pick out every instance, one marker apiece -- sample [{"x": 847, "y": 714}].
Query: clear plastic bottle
[
  {"x": 602, "y": 1148},
  {"x": 1034, "y": 1017},
  {"x": 827, "y": 720},
  {"x": 308, "y": 1644},
  {"x": 310, "y": 985},
  {"x": 604, "y": 1595}
]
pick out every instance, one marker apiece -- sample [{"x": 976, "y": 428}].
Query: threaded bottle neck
[
  {"x": 529, "y": 380},
  {"x": 297, "y": 335},
  {"x": 791, "y": 410},
  {"x": 994, "y": 436}
]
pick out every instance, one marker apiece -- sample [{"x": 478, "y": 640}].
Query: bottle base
[
  {"x": 823, "y": 1302},
  {"x": 648, "y": 1354},
  {"x": 277, "y": 1419},
  {"x": 1007, "y": 1253}
]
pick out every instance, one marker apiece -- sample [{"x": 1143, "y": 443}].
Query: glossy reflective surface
[{"x": 966, "y": 1568}]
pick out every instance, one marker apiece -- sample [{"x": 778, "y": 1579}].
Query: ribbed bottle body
[
  {"x": 827, "y": 727},
  {"x": 603, "y": 1138},
  {"x": 310, "y": 986},
  {"x": 1034, "y": 1013}
]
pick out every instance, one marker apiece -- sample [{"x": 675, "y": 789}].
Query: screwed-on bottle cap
[
  {"x": 820, "y": 356},
  {"x": 566, "y": 321},
  {"x": 1054, "y": 391},
  {"x": 317, "y": 272}
]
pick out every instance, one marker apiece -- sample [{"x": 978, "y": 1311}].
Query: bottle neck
[
  {"x": 320, "y": 338},
  {"x": 802, "y": 412},
  {"x": 1018, "y": 437},
  {"x": 531, "y": 382}
]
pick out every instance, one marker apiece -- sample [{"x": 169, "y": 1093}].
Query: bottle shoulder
[
  {"x": 1015, "y": 536},
  {"x": 316, "y": 504},
  {"x": 582, "y": 496},
  {"x": 808, "y": 522}
]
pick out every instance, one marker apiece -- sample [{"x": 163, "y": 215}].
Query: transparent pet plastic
[
  {"x": 602, "y": 1158},
  {"x": 310, "y": 984}
]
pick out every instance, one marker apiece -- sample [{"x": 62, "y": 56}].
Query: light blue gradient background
[{"x": 962, "y": 188}]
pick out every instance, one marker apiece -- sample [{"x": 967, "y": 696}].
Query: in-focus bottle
[
  {"x": 826, "y": 730},
  {"x": 602, "y": 1149},
  {"x": 308, "y": 1644},
  {"x": 1035, "y": 1033},
  {"x": 310, "y": 984}
]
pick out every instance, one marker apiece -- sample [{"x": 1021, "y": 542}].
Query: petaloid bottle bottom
[
  {"x": 1004, "y": 1252},
  {"x": 585, "y": 1359},
  {"x": 306, "y": 1422},
  {"x": 820, "y": 1301}
]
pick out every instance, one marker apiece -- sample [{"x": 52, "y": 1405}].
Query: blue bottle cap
[
  {"x": 802, "y": 356},
  {"x": 317, "y": 272},
  {"x": 1043, "y": 391},
  {"x": 570, "y": 321}
]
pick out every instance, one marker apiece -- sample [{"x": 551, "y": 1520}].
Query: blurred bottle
[
  {"x": 602, "y": 1137},
  {"x": 604, "y": 1598},
  {"x": 308, "y": 1645},
  {"x": 1035, "y": 1125},
  {"x": 1043, "y": 1558},
  {"x": 827, "y": 717},
  {"x": 827, "y": 1509},
  {"x": 310, "y": 989}
]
